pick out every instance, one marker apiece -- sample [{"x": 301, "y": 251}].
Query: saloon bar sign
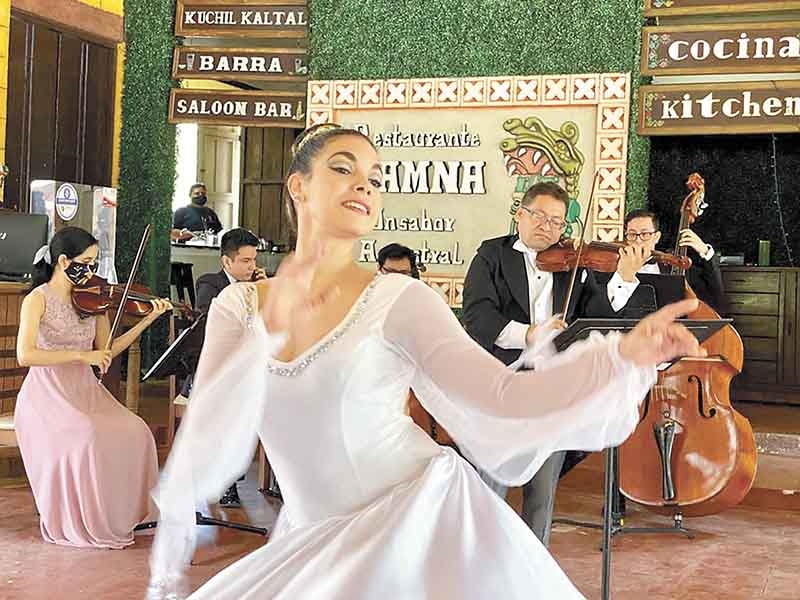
[
  {"x": 658, "y": 8},
  {"x": 254, "y": 109},
  {"x": 286, "y": 64},
  {"x": 744, "y": 107},
  {"x": 721, "y": 48},
  {"x": 261, "y": 18}
]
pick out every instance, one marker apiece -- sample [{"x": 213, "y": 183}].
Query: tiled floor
[{"x": 745, "y": 553}]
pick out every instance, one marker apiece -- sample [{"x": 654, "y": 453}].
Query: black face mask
[
  {"x": 79, "y": 273},
  {"x": 200, "y": 200}
]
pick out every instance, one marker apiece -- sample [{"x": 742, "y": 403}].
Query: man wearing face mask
[{"x": 197, "y": 216}]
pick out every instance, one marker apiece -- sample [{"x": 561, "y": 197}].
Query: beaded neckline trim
[{"x": 293, "y": 370}]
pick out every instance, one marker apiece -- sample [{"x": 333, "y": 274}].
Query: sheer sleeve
[
  {"x": 217, "y": 436},
  {"x": 509, "y": 422}
]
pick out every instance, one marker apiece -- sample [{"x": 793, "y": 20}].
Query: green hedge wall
[
  {"x": 147, "y": 152},
  {"x": 381, "y": 39}
]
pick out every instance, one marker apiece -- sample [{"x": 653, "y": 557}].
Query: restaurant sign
[
  {"x": 245, "y": 108},
  {"x": 721, "y": 48},
  {"x": 743, "y": 107},
  {"x": 264, "y": 18},
  {"x": 240, "y": 64},
  {"x": 658, "y": 8},
  {"x": 459, "y": 154}
]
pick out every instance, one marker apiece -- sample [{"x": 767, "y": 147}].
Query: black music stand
[
  {"x": 181, "y": 359},
  {"x": 612, "y": 518}
]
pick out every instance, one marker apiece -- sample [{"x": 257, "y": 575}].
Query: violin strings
[{"x": 774, "y": 160}]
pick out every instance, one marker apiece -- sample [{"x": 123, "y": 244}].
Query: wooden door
[
  {"x": 218, "y": 167},
  {"x": 266, "y": 156},
  {"x": 60, "y": 119}
]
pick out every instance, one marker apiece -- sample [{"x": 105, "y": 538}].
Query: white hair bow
[{"x": 43, "y": 253}]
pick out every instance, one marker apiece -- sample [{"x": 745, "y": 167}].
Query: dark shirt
[{"x": 196, "y": 218}]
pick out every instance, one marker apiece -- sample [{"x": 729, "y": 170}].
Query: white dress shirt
[
  {"x": 620, "y": 291},
  {"x": 540, "y": 295},
  {"x": 231, "y": 278}
]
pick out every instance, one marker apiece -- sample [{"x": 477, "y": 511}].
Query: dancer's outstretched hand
[
  {"x": 657, "y": 338},
  {"x": 290, "y": 299}
]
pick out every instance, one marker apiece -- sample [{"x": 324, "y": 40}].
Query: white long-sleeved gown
[{"x": 373, "y": 507}]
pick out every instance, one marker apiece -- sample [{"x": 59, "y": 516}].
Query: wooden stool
[{"x": 8, "y": 437}]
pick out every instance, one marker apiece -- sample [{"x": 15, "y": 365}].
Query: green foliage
[
  {"x": 382, "y": 39},
  {"x": 147, "y": 153}
]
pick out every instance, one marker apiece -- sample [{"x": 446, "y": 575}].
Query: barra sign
[
  {"x": 743, "y": 107},
  {"x": 721, "y": 48},
  {"x": 270, "y": 64},
  {"x": 282, "y": 18},
  {"x": 658, "y": 8},
  {"x": 256, "y": 108}
]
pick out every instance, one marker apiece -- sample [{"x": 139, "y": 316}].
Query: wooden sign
[
  {"x": 721, "y": 48},
  {"x": 240, "y": 64},
  {"x": 242, "y": 18},
  {"x": 658, "y": 8},
  {"x": 742, "y": 107},
  {"x": 253, "y": 109}
]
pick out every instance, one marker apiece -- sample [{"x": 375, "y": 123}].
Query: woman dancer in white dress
[{"x": 318, "y": 362}]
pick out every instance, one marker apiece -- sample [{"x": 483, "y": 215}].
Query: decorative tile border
[
  {"x": 610, "y": 93},
  {"x": 451, "y": 289}
]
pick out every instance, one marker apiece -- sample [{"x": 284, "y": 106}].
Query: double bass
[{"x": 692, "y": 453}]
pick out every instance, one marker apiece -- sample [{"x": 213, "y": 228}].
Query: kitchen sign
[{"x": 719, "y": 108}]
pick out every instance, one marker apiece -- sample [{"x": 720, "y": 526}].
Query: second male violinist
[
  {"x": 506, "y": 298},
  {"x": 642, "y": 234}
]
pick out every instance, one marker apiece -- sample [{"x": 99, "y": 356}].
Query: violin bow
[
  {"x": 121, "y": 309},
  {"x": 571, "y": 287}
]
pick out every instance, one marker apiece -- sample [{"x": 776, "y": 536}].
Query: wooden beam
[{"x": 75, "y": 16}]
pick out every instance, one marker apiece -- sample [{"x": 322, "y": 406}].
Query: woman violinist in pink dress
[
  {"x": 318, "y": 361},
  {"x": 90, "y": 462}
]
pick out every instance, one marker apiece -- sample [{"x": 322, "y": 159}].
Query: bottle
[{"x": 763, "y": 253}]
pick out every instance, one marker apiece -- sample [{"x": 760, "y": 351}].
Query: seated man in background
[
  {"x": 396, "y": 258},
  {"x": 238, "y": 251}
]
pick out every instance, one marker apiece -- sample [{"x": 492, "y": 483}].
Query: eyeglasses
[
  {"x": 632, "y": 236},
  {"x": 387, "y": 270},
  {"x": 541, "y": 218}
]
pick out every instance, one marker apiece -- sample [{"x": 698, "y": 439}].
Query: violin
[
  {"x": 96, "y": 296},
  {"x": 602, "y": 257}
]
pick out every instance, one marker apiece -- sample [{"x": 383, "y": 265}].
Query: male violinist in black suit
[
  {"x": 238, "y": 251},
  {"x": 507, "y": 298}
]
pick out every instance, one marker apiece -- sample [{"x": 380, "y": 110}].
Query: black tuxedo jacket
[
  {"x": 208, "y": 287},
  {"x": 496, "y": 292},
  {"x": 704, "y": 277}
]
